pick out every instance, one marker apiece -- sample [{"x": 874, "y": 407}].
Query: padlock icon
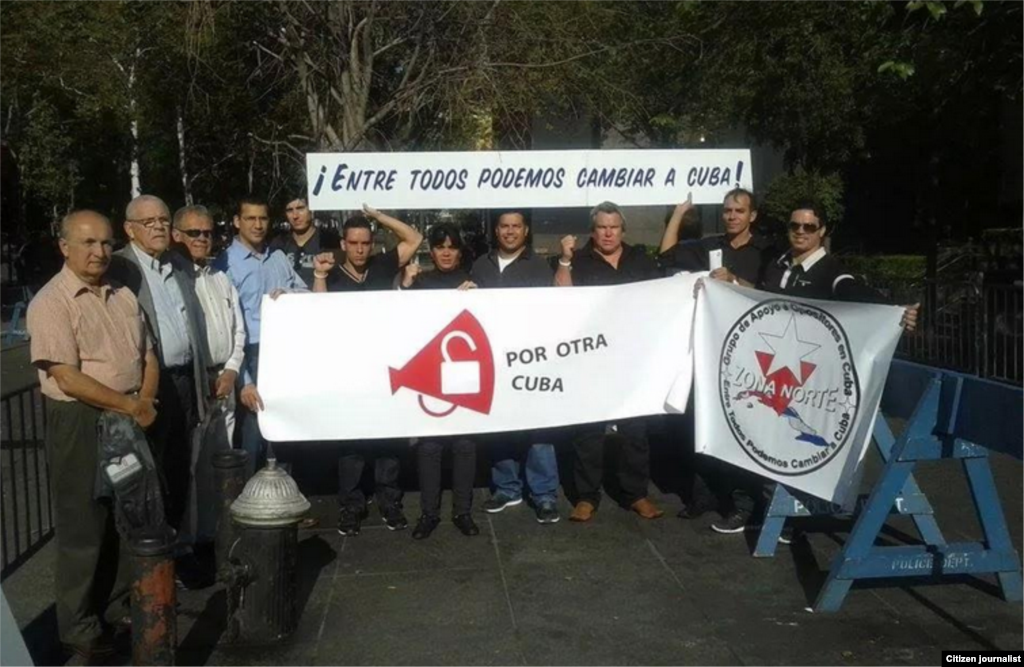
[{"x": 459, "y": 377}]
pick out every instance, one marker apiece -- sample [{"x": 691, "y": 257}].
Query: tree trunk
[
  {"x": 186, "y": 188},
  {"x": 136, "y": 171}
]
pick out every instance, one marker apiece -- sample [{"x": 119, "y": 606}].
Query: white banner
[
  {"x": 445, "y": 362},
  {"x": 789, "y": 388},
  {"x": 528, "y": 179}
]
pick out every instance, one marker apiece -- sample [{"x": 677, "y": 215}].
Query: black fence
[
  {"x": 966, "y": 326},
  {"x": 27, "y": 518}
]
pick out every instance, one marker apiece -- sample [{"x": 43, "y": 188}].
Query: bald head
[
  {"x": 148, "y": 224},
  {"x": 75, "y": 218},
  {"x": 87, "y": 242},
  {"x": 138, "y": 207}
]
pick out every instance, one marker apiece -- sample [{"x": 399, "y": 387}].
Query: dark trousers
[
  {"x": 92, "y": 568},
  {"x": 428, "y": 459},
  {"x": 171, "y": 437},
  {"x": 251, "y": 439},
  {"x": 630, "y": 453},
  {"x": 734, "y": 488},
  {"x": 385, "y": 475}
]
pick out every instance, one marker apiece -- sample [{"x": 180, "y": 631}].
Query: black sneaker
[
  {"x": 349, "y": 521},
  {"x": 466, "y": 525},
  {"x": 787, "y": 535},
  {"x": 693, "y": 511},
  {"x": 547, "y": 513},
  {"x": 394, "y": 518},
  {"x": 499, "y": 502},
  {"x": 424, "y": 527},
  {"x": 734, "y": 522}
]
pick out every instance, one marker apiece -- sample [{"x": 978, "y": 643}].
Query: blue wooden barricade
[{"x": 947, "y": 416}]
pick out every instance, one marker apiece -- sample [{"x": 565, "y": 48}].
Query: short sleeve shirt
[
  {"x": 747, "y": 262},
  {"x": 381, "y": 270},
  {"x": 301, "y": 256},
  {"x": 589, "y": 268},
  {"x": 102, "y": 334}
]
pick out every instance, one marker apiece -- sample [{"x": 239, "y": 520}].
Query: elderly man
[
  {"x": 606, "y": 260},
  {"x": 90, "y": 344},
  {"x": 255, "y": 271},
  {"x": 164, "y": 283},
  {"x": 225, "y": 327}
]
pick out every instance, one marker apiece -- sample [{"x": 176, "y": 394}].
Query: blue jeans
[{"x": 541, "y": 474}]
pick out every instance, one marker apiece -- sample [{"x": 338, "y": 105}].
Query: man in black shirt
[
  {"x": 606, "y": 260},
  {"x": 807, "y": 270},
  {"x": 741, "y": 253},
  {"x": 740, "y": 256},
  {"x": 513, "y": 264},
  {"x": 365, "y": 271},
  {"x": 305, "y": 241},
  {"x": 446, "y": 251}
]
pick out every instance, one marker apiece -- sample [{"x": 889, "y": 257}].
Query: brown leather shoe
[
  {"x": 583, "y": 511},
  {"x": 646, "y": 509}
]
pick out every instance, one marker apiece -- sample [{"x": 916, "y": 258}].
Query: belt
[{"x": 216, "y": 368}]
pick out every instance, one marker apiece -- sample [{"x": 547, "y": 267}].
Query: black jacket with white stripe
[{"x": 819, "y": 276}]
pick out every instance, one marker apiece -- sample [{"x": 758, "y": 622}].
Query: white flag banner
[
  {"x": 444, "y": 362},
  {"x": 789, "y": 388},
  {"x": 528, "y": 179}
]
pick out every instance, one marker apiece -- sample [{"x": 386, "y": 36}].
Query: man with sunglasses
[
  {"x": 164, "y": 284},
  {"x": 807, "y": 269},
  {"x": 225, "y": 327}
]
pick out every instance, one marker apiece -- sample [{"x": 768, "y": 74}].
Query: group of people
[{"x": 168, "y": 335}]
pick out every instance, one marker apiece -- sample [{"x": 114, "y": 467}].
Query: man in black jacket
[
  {"x": 164, "y": 284},
  {"x": 513, "y": 264}
]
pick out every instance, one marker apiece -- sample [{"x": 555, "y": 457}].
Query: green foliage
[
  {"x": 787, "y": 190},
  {"x": 887, "y": 269}
]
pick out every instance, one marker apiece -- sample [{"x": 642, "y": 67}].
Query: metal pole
[{"x": 154, "y": 624}]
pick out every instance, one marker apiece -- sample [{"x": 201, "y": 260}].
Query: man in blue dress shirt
[{"x": 255, "y": 270}]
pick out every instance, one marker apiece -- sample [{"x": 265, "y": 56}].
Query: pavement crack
[{"x": 501, "y": 571}]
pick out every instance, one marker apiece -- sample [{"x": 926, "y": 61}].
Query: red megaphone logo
[{"x": 456, "y": 366}]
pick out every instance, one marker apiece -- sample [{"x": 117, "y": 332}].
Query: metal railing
[
  {"x": 966, "y": 326},
  {"x": 27, "y": 516}
]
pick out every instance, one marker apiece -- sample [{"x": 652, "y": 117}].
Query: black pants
[
  {"x": 171, "y": 438},
  {"x": 385, "y": 475},
  {"x": 428, "y": 459},
  {"x": 92, "y": 570},
  {"x": 631, "y": 454}
]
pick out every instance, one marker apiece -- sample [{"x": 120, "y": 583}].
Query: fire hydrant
[{"x": 261, "y": 562}]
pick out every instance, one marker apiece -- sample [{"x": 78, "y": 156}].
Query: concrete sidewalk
[{"x": 619, "y": 590}]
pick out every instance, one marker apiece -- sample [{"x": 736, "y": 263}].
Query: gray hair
[
  {"x": 606, "y": 207},
  {"x": 142, "y": 199},
  {"x": 194, "y": 209},
  {"x": 69, "y": 220}
]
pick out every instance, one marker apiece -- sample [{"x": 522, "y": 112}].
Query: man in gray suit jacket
[{"x": 164, "y": 284}]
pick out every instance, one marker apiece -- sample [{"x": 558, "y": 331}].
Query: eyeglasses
[
  {"x": 196, "y": 233},
  {"x": 150, "y": 223},
  {"x": 805, "y": 227}
]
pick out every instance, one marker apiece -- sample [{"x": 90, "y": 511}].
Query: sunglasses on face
[
  {"x": 196, "y": 233},
  {"x": 805, "y": 227}
]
